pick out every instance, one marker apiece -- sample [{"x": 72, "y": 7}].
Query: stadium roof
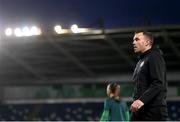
[{"x": 94, "y": 57}]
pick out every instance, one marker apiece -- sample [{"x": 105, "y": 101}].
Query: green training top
[{"x": 115, "y": 111}]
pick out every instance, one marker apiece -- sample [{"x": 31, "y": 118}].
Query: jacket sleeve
[
  {"x": 157, "y": 72},
  {"x": 126, "y": 112},
  {"x": 105, "y": 114}
]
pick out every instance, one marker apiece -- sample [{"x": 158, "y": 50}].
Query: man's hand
[{"x": 137, "y": 104}]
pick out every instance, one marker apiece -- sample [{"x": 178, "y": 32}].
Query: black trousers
[{"x": 150, "y": 114}]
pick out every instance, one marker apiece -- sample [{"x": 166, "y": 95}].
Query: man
[
  {"x": 150, "y": 81},
  {"x": 115, "y": 108}
]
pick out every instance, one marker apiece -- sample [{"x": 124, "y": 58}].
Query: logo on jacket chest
[
  {"x": 140, "y": 66},
  {"x": 142, "y": 63}
]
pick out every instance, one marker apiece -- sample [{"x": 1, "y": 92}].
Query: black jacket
[{"x": 150, "y": 83}]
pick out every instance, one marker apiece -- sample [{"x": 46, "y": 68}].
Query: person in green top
[{"x": 115, "y": 109}]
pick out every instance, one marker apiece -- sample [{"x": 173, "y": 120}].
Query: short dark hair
[{"x": 147, "y": 34}]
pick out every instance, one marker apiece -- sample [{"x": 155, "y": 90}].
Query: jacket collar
[{"x": 145, "y": 53}]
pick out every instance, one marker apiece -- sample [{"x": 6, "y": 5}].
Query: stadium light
[
  {"x": 8, "y": 32},
  {"x": 26, "y": 32},
  {"x": 18, "y": 32},
  {"x": 58, "y": 29},
  {"x": 74, "y": 28},
  {"x": 35, "y": 31}
]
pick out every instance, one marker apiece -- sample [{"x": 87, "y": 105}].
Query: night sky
[{"x": 88, "y": 13}]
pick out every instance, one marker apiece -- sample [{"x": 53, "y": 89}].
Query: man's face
[{"x": 140, "y": 42}]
